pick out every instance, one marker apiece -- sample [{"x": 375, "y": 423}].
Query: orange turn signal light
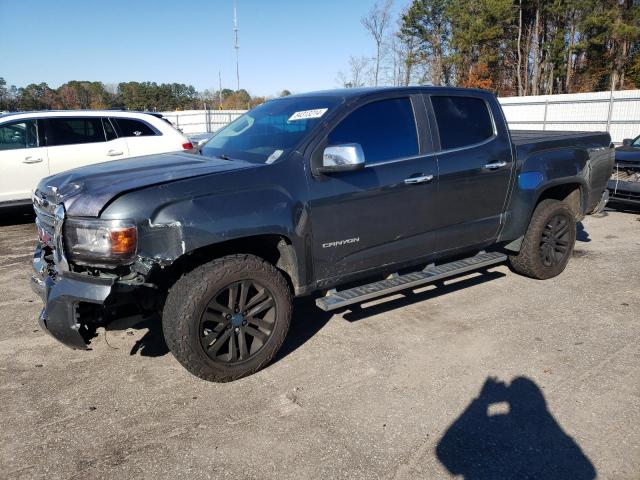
[{"x": 124, "y": 240}]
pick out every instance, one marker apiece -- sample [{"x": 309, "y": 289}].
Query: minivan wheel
[
  {"x": 228, "y": 318},
  {"x": 548, "y": 243}
]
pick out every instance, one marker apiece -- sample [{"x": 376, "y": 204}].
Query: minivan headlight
[{"x": 100, "y": 241}]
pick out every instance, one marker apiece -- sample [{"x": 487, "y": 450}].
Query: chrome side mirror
[
  {"x": 342, "y": 158},
  {"x": 627, "y": 142}
]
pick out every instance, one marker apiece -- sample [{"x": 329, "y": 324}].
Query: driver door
[{"x": 384, "y": 212}]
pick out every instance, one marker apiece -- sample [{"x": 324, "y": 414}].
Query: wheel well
[
  {"x": 275, "y": 249},
  {"x": 570, "y": 193}
]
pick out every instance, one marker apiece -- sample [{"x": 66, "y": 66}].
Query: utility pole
[
  {"x": 220, "y": 89},
  {"x": 235, "y": 41}
]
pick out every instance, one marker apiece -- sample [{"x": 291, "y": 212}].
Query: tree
[
  {"x": 426, "y": 25},
  {"x": 284, "y": 93},
  {"x": 376, "y": 23},
  {"x": 358, "y": 67}
]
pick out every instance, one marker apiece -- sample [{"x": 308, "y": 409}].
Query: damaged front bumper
[
  {"x": 67, "y": 296},
  {"x": 624, "y": 186}
]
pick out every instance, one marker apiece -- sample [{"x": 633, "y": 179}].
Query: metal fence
[
  {"x": 615, "y": 112},
  {"x": 201, "y": 121}
]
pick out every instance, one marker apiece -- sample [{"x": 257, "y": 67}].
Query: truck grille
[{"x": 45, "y": 219}]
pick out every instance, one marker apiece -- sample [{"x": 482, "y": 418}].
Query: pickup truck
[{"x": 348, "y": 194}]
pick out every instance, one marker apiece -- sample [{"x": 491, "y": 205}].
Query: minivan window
[
  {"x": 19, "y": 135},
  {"x": 72, "y": 131},
  {"x": 128, "y": 127},
  {"x": 385, "y": 130},
  {"x": 462, "y": 121}
]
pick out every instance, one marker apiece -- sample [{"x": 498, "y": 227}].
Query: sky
[{"x": 299, "y": 45}]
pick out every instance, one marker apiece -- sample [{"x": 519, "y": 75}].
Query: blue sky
[{"x": 299, "y": 45}]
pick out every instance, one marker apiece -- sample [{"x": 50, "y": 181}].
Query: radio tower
[{"x": 235, "y": 41}]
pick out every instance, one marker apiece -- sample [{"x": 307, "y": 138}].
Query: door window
[
  {"x": 385, "y": 129},
  {"x": 462, "y": 121},
  {"x": 19, "y": 135},
  {"x": 109, "y": 130},
  {"x": 128, "y": 127},
  {"x": 72, "y": 131}
]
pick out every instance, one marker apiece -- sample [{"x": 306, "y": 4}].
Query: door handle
[
  {"x": 420, "y": 179},
  {"x": 32, "y": 160},
  {"x": 495, "y": 165},
  {"x": 114, "y": 153}
]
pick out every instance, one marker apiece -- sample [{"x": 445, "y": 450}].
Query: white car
[{"x": 34, "y": 145}]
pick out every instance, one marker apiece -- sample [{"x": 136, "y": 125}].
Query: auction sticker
[{"x": 308, "y": 114}]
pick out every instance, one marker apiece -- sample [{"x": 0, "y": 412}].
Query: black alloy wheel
[
  {"x": 237, "y": 322},
  {"x": 554, "y": 244}
]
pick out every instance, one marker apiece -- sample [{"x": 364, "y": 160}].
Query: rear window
[
  {"x": 128, "y": 127},
  {"x": 385, "y": 130},
  {"x": 462, "y": 121},
  {"x": 71, "y": 131}
]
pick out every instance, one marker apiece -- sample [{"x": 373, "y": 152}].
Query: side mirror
[
  {"x": 342, "y": 158},
  {"x": 627, "y": 142}
]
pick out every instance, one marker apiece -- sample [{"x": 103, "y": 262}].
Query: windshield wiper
[{"x": 224, "y": 157}]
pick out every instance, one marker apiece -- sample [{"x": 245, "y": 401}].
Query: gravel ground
[{"x": 490, "y": 376}]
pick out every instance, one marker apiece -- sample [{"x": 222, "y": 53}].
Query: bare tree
[
  {"x": 376, "y": 23},
  {"x": 358, "y": 68}
]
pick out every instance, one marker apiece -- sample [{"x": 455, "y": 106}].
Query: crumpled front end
[
  {"x": 72, "y": 301},
  {"x": 624, "y": 184}
]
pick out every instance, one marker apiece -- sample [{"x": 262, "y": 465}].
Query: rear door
[
  {"x": 382, "y": 214},
  {"x": 475, "y": 165},
  {"x": 23, "y": 162},
  {"x": 73, "y": 142}
]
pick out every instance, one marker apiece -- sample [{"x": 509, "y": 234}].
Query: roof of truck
[{"x": 359, "y": 92}]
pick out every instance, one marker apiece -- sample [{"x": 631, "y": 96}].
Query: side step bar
[{"x": 395, "y": 283}]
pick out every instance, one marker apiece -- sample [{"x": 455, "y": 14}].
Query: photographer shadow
[{"x": 508, "y": 432}]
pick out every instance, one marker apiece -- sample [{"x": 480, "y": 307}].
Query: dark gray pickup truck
[{"x": 352, "y": 193}]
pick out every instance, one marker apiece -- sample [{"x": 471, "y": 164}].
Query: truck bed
[{"x": 526, "y": 137}]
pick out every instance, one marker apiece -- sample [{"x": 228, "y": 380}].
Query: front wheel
[
  {"x": 228, "y": 318},
  {"x": 548, "y": 243}
]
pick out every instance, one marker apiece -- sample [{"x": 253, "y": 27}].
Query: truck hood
[{"x": 87, "y": 190}]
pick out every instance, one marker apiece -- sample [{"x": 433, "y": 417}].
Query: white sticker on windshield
[
  {"x": 274, "y": 156},
  {"x": 307, "y": 114}
]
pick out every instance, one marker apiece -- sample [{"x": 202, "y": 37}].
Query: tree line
[
  {"x": 125, "y": 95},
  {"x": 512, "y": 47}
]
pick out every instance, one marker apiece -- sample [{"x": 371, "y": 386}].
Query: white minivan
[{"x": 34, "y": 145}]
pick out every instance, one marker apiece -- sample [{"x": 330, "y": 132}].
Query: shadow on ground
[
  {"x": 16, "y": 215},
  {"x": 508, "y": 433},
  {"x": 307, "y": 319},
  {"x": 581, "y": 234}
]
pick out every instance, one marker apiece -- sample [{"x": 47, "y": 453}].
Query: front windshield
[
  {"x": 636, "y": 142},
  {"x": 269, "y": 131}
]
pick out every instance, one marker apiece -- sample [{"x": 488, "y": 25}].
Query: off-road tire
[
  {"x": 188, "y": 298},
  {"x": 529, "y": 261}
]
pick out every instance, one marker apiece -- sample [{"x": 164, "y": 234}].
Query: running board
[{"x": 395, "y": 283}]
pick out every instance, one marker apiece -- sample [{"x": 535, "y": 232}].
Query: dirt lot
[{"x": 410, "y": 387}]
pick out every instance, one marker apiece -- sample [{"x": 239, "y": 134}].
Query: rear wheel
[
  {"x": 227, "y": 318},
  {"x": 548, "y": 243}
]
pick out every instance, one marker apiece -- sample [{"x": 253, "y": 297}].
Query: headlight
[{"x": 100, "y": 241}]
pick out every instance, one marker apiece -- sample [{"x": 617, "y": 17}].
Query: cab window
[
  {"x": 19, "y": 135},
  {"x": 385, "y": 130}
]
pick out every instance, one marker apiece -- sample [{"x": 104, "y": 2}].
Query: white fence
[
  {"x": 617, "y": 113},
  {"x": 201, "y": 121}
]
